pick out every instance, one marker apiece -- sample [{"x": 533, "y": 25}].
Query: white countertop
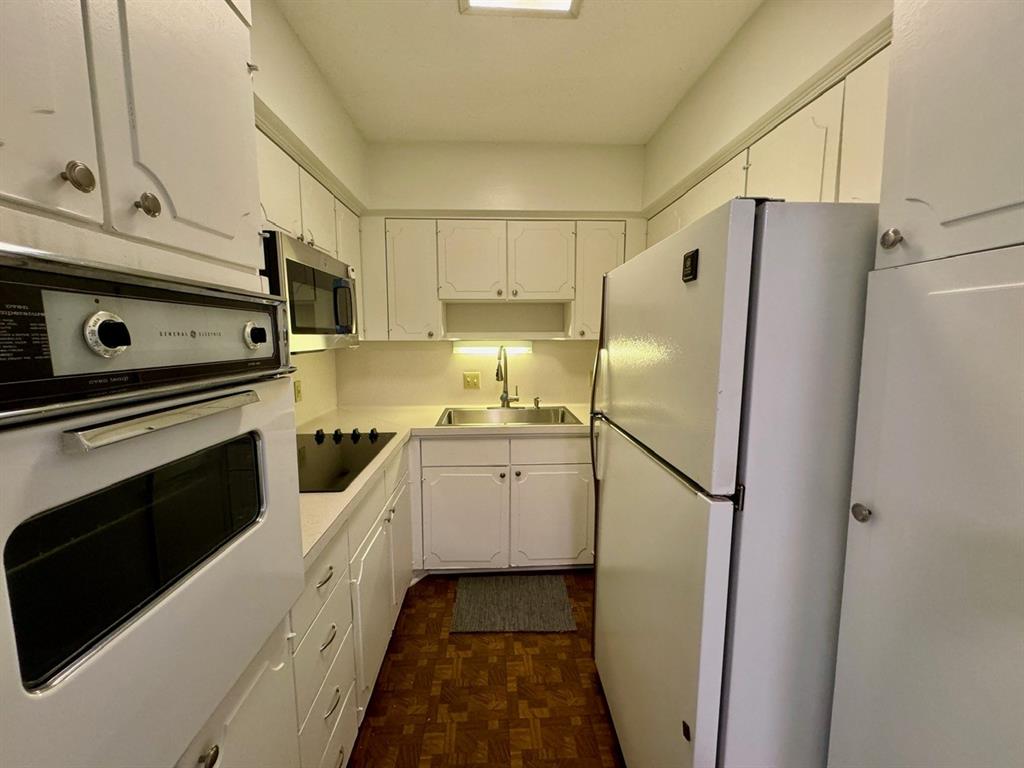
[{"x": 322, "y": 515}]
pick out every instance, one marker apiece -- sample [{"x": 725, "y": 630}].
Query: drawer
[
  {"x": 396, "y": 469},
  {"x": 367, "y": 511},
  {"x": 329, "y": 629},
  {"x": 316, "y": 731},
  {"x": 550, "y": 450},
  {"x": 339, "y": 748},
  {"x": 468, "y": 452},
  {"x": 326, "y": 572}
]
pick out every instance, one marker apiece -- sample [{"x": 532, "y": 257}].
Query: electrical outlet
[
  {"x": 471, "y": 379},
  {"x": 297, "y": 385}
]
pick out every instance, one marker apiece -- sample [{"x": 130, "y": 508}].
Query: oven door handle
[{"x": 91, "y": 438}]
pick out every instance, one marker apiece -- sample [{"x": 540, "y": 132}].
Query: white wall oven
[{"x": 148, "y": 507}]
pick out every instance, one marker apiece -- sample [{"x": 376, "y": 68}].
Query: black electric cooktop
[{"x": 329, "y": 462}]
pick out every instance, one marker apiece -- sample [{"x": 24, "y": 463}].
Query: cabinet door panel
[
  {"x": 552, "y": 519},
  {"x": 727, "y": 182},
  {"x": 471, "y": 259},
  {"x": 799, "y": 160},
  {"x": 541, "y": 260},
  {"x": 414, "y": 311},
  {"x": 279, "y": 186},
  {"x": 318, "y": 228},
  {"x": 860, "y": 171},
  {"x": 600, "y": 247},
  {"x": 465, "y": 517},
  {"x": 372, "y": 617},
  {"x": 45, "y": 107},
  {"x": 954, "y": 157},
  {"x": 176, "y": 118},
  {"x": 346, "y": 224},
  {"x": 401, "y": 545}
]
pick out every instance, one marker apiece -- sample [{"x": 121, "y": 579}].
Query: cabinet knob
[
  {"x": 890, "y": 238},
  {"x": 519, "y": 473},
  {"x": 860, "y": 513},
  {"x": 500, "y": 292},
  {"x": 582, "y": 332},
  {"x": 515, "y": 291},
  {"x": 501, "y": 475},
  {"x": 312, "y": 240},
  {"x": 149, "y": 204},
  {"x": 79, "y": 175},
  {"x": 302, "y": 238},
  {"x": 430, "y": 334},
  {"x": 209, "y": 758}
]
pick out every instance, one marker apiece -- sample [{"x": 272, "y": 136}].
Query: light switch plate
[
  {"x": 297, "y": 385},
  {"x": 471, "y": 379}
]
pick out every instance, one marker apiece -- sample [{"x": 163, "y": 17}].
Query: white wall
[
  {"x": 505, "y": 178},
  {"x": 429, "y": 373},
  {"x": 317, "y": 372},
  {"x": 780, "y": 48},
  {"x": 295, "y": 90}
]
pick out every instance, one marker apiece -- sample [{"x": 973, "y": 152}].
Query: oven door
[
  {"x": 148, "y": 553},
  {"x": 321, "y": 306}
]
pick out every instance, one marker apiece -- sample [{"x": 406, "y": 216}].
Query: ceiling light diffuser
[{"x": 545, "y": 8}]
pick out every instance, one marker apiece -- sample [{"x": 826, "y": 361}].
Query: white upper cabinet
[
  {"x": 175, "y": 108},
  {"x": 860, "y": 169},
  {"x": 953, "y": 179},
  {"x": 46, "y": 118},
  {"x": 552, "y": 515},
  {"x": 600, "y": 247},
  {"x": 318, "y": 227},
  {"x": 471, "y": 259},
  {"x": 723, "y": 185},
  {"x": 414, "y": 311},
  {"x": 279, "y": 186},
  {"x": 541, "y": 260},
  {"x": 346, "y": 224},
  {"x": 799, "y": 160}
]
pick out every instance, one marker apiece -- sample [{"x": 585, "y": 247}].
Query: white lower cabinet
[
  {"x": 372, "y": 601},
  {"x": 328, "y": 707},
  {"x": 465, "y": 517},
  {"x": 552, "y": 517},
  {"x": 255, "y": 726},
  {"x": 400, "y": 538}
]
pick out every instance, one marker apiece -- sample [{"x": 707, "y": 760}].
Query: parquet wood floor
[{"x": 519, "y": 700}]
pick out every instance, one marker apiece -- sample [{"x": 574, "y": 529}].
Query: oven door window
[
  {"x": 312, "y": 300},
  {"x": 77, "y": 572}
]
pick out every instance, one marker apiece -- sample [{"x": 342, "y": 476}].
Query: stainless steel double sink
[{"x": 468, "y": 417}]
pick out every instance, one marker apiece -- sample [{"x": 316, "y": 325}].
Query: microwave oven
[{"x": 320, "y": 291}]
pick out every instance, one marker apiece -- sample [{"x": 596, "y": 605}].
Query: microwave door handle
[
  {"x": 91, "y": 438},
  {"x": 348, "y": 322}
]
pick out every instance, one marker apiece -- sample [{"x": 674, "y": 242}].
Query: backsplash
[
  {"x": 316, "y": 371},
  {"x": 429, "y": 373}
]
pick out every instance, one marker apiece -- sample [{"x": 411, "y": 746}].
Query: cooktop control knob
[
  {"x": 355, "y": 435},
  {"x": 337, "y": 436},
  {"x": 319, "y": 436},
  {"x": 254, "y": 335},
  {"x": 106, "y": 334},
  {"x": 373, "y": 434}
]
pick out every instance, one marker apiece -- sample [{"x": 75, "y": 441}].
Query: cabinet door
[
  {"x": 471, "y": 259},
  {"x": 175, "y": 107},
  {"x": 346, "y": 224},
  {"x": 256, "y": 724},
  {"x": 799, "y": 160},
  {"x": 372, "y": 599},
  {"x": 552, "y": 518},
  {"x": 723, "y": 185},
  {"x": 541, "y": 260},
  {"x": 600, "y": 247},
  {"x": 400, "y": 516},
  {"x": 279, "y": 186},
  {"x": 46, "y": 109},
  {"x": 933, "y": 611},
  {"x": 318, "y": 227},
  {"x": 954, "y": 157},
  {"x": 465, "y": 517},
  {"x": 860, "y": 169},
  {"x": 414, "y": 311}
]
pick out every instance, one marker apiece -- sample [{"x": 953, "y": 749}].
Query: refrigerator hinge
[{"x": 739, "y": 497}]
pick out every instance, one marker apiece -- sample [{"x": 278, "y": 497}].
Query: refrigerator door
[
  {"x": 675, "y": 339},
  {"x": 660, "y": 606},
  {"x": 930, "y": 665}
]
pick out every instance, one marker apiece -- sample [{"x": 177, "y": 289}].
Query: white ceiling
[{"x": 418, "y": 70}]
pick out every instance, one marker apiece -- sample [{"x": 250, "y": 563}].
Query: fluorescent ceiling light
[
  {"x": 491, "y": 348},
  {"x": 549, "y": 8}
]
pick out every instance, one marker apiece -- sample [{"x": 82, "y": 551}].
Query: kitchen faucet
[{"x": 502, "y": 375}]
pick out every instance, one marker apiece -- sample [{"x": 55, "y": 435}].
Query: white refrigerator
[{"x": 725, "y": 399}]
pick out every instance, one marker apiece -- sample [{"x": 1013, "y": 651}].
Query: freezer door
[
  {"x": 675, "y": 337},
  {"x": 662, "y": 582},
  {"x": 930, "y": 668}
]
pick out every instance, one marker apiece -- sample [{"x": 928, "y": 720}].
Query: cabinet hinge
[{"x": 739, "y": 497}]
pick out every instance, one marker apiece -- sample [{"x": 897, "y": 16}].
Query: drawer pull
[
  {"x": 329, "y": 640},
  {"x": 337, "y": 701},
  {"x": 209, "y": 758},
  {"x": 328, "y": 577},
  {"x": 341, "y": 757}
]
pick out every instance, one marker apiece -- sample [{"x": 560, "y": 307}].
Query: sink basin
[{"x": 468, "y": 417}]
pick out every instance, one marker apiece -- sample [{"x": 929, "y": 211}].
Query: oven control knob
[
  {"x": 106, "y": 334},
  {"x": 337, "y": 436},
  {"x": 319, "y": 436},
  {"x": 355, "y": 435},
  {"x": 373, "y": 435},
  {"x": 254, "y": 335}
]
